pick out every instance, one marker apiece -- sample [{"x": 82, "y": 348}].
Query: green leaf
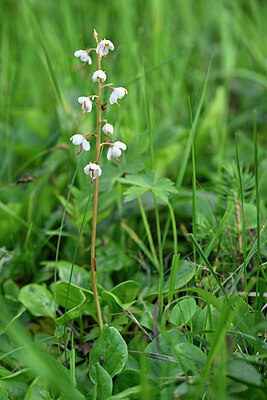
[
  {"x": 146, "y": 181},
  {"x": 78, "y": 299},
  {"x": 80, "y": 276},
  {"x": 38, "y": 390},
  {"x": 126, "y": 291},
  {"x": 111, "y": 258},
  {"x": 3, "y": 393},
  {"x": 12, "y": 310},
  {"x": 244, "y": 372},
  {"x": 103, "y": 382},
  {"x": 133, "y": 192},
  {"x": 111, "y": 349},
  {"x": 15, "y": 388},
  {"x": 37, "y": 299},
  {"x": 165, "y": 345},
  {"x": 163, "y": 187},
  {"x": 114, "y": 303},
  {"x": 127, "y": 394},
  {"x": 183, "y": 311},
  {"x": 75, "y": 296},
  {"x": 185, "y": 273},
  {"x": 126, "y": 380},
  {"x": 192, "y": 357}
]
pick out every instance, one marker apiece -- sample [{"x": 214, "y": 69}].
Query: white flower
[
  {"x": 93, "y": 170},
  {"x": 117, "y": 93},
  {"x": 108, "y": 129},
  {"x": 104, "y": 46},
  {"x": 80, "y": 140},
  {"x": 86, "y": 104},
  {"x": 99, "y": 76},
  {"x": 115, "y": 150},
  {"x": 83, "y": 55}
]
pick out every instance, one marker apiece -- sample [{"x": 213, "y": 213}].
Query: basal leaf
[
  {"x": 103, "y": 382},
  {"x": 111, "y": 349},
  {"x": 244, "y": 372},
  {"x": 126, "y": 291},
  {"x": 183, "y": 311},
  {"x": 37, "y": 299},
  {"x": 78, "y": 300},
  {"x": 191, "y": 356},
  {"x": 127, "y": 379}
]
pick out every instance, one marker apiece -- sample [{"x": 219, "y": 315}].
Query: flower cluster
[{"x": 114, "y": 149}]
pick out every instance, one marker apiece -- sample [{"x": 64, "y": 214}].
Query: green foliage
[
  {"x": 103, "y": 383},
  {"x": 183, "y": 311},
  {"x": 37, "y": 299},
  {"x": 111, "y": 349},
  {"x": 145, "y": 182},
  {"x": 184, "y": 314}
]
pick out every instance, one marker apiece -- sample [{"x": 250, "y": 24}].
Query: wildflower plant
[{"x": 93, "y": 168}]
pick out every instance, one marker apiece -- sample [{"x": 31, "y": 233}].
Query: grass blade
[
  {"x": 206, "y": 261},
  {"x": 182, "y": 168}
]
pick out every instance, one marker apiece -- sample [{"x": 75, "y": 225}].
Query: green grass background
[{"x": 163, "y": 52}]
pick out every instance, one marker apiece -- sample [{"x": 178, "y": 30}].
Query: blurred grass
[{"x": 162, "y": 56}]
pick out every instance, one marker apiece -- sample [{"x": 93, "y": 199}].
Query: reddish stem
[{"x": 80, "y": 150}]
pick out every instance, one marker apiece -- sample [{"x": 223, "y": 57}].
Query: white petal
[
  {"x": 99, "y": 76},
  {"x": 78, "y": 53},
  {"x": 120, "y": 145},
  {"x": 116, "y": 152},
  {"x": 113, "y": 97},
  {"x": 89, "y": 60},
  {"x": 77, "y": 139},
  {"x": 88, "y": 105},
  {"x": 98, "y": 171},
  {"x": 109, "y": 153},
  {"x": 108, "y": 129},
  {"x": 83, "y": 56},
  {"x": 100, "y": 48},
  {"x": 109, "y": 44},
  {"x": 120, "y": 92},
  {"x": 87, "y": 169},
  {"x": 82, "y": 99},
  {"x": 86, "y": 145}
]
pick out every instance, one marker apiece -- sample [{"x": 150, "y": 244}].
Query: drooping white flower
[
  {"x": 117, "y": 93},
  {"x": 80, "y": 140},
  {"x": 99, "y": 76},
  {"x": 108, "y": 129},
  {"x": 104, "y": 46},
  {"x": 84, "y": 56},
  {"x": 93, "y": 170},
  {"x": 86, "y": 104},
  {"x": 115, "y": 150}
]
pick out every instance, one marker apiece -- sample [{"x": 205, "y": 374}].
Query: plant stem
[{"x": 94, "y": 222}]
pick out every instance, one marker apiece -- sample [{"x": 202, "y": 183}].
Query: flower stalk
[
  {"x": 93, "y": 168},
  {"x": 94, "y": 222}
]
